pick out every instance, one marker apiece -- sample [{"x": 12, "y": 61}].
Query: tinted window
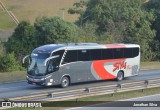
[
  {"x": 107, "y": 53},
  {"x": 118, "y": 53},
  {"x": 83, "y": 55},
  {"x": 60, "y": 53},
  {"x": 95, "y": 54},
  {"x": 128, "y": 52},
  {"x": 71, "y": 56},
  {"x": 131, "y": 52},
  {"x": 135, "y": 52}
]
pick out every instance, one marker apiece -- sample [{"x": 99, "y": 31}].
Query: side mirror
[
  {"x": 24, "y": 58},
  {"x": 45, "y": 62}
]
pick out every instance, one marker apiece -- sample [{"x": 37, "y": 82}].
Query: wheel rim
[
  {"x": 120, "y": 76},
  {"x": 65, "y": 82}
]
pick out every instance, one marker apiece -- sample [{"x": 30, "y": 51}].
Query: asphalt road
[{"x": 14, "y": 89}]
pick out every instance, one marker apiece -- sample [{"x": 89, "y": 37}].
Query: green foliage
[
  {"x": 88, "y": 32},
  {"x": 154, "y": 6},
  {"x": 125, "y": 20},
  {"x": 1, "y": 49},
  {"x": 22, "y": 41},
  {"x": 8, "y": 63},
  {"x": 54, "y": 30},
  {"x": 6, "y": 22},
  {"x": 106, "y": 39},
  {"x": 79, "y": 8}
]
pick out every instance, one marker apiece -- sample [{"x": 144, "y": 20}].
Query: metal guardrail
[{"x": 92, "y": 91}]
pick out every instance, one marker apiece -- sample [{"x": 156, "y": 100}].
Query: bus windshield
[{"x": 36, "y": 66}]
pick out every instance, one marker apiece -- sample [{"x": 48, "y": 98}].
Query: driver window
[{"x": 54, "y": 63}]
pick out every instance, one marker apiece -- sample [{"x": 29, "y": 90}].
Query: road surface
[{"x": 8, "y": 90}]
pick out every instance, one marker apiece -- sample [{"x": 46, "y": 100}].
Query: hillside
[{"x": 31, "y": 9}]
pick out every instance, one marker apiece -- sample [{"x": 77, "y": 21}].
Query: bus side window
[
  {"x": 60, "y": 53},
  {"x": 107, "y": 53},
  {"x": 96, "y": 54},
  {"x": 71, "y": 56},
  {"x": 118, "y": 53},
  {"x": 128, "y": 53},
  {"x": 83, "y": 55},
  {"x": 135, "y": 52}
]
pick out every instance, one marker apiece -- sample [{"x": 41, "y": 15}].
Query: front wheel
[
  {"x": 64, "y": 82},
  {"x": 120, "y": 76}
]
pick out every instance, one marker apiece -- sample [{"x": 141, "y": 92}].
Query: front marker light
[{"x": 51, "y": 80}]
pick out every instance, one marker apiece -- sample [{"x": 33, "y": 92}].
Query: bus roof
[{"x": 73, "y": 46}]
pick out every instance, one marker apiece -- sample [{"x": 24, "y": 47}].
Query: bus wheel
[
  {"x": 120, "y": 76},
  {"x": 64, "y": 82}
]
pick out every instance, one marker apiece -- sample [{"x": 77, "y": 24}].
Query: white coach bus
[{"x": 64, "y": 64}]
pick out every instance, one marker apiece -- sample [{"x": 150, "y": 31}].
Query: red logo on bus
[{"x": 119, "y": 65}]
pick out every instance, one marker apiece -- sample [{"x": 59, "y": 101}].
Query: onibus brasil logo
[{"x": 21, "y": 104}]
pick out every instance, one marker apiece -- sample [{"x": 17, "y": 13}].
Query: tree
[
  {"x": 88, "y": 32},
  {"x": 54, "y": 30},
  {"x": 8, "y": 63},
  {"x": 154, "y": 6},
  {"x": 79, "y": 8},
  {"x": 22, "y": 41},
  {"x": 126, "y": 20}
]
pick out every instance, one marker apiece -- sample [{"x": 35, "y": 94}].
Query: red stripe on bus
[
  {"x": 101, "y": 71},
  {"x": 115, "y": 45}
]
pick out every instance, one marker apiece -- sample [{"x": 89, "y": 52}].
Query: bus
[{"x": 64, "y": 64}]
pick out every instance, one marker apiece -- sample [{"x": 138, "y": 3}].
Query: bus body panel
[
  {"x": 106, "y": 70},
  {"x": 78, "y": 71}
]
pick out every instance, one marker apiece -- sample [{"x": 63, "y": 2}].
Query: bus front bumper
[{"x": 39, "y": 81}]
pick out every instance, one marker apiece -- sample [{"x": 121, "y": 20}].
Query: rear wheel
[
  {"x": 65, "y": 82},
  {"x": 120, "y": 76}
]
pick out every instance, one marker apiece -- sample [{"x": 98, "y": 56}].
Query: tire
[
  {"x": 65, "y": 82},
  {"x": 120, "y": 76}
]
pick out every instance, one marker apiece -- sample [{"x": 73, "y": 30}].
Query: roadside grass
[
  {"x": 31, "y": 9},
  {"x": 21, "y": 75},
  {"x": 12, "y": 76},
  {"x": 150, "y": 65},
  {"x": 6, "y": 22},
  {"x": 94, "y": 100}
]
